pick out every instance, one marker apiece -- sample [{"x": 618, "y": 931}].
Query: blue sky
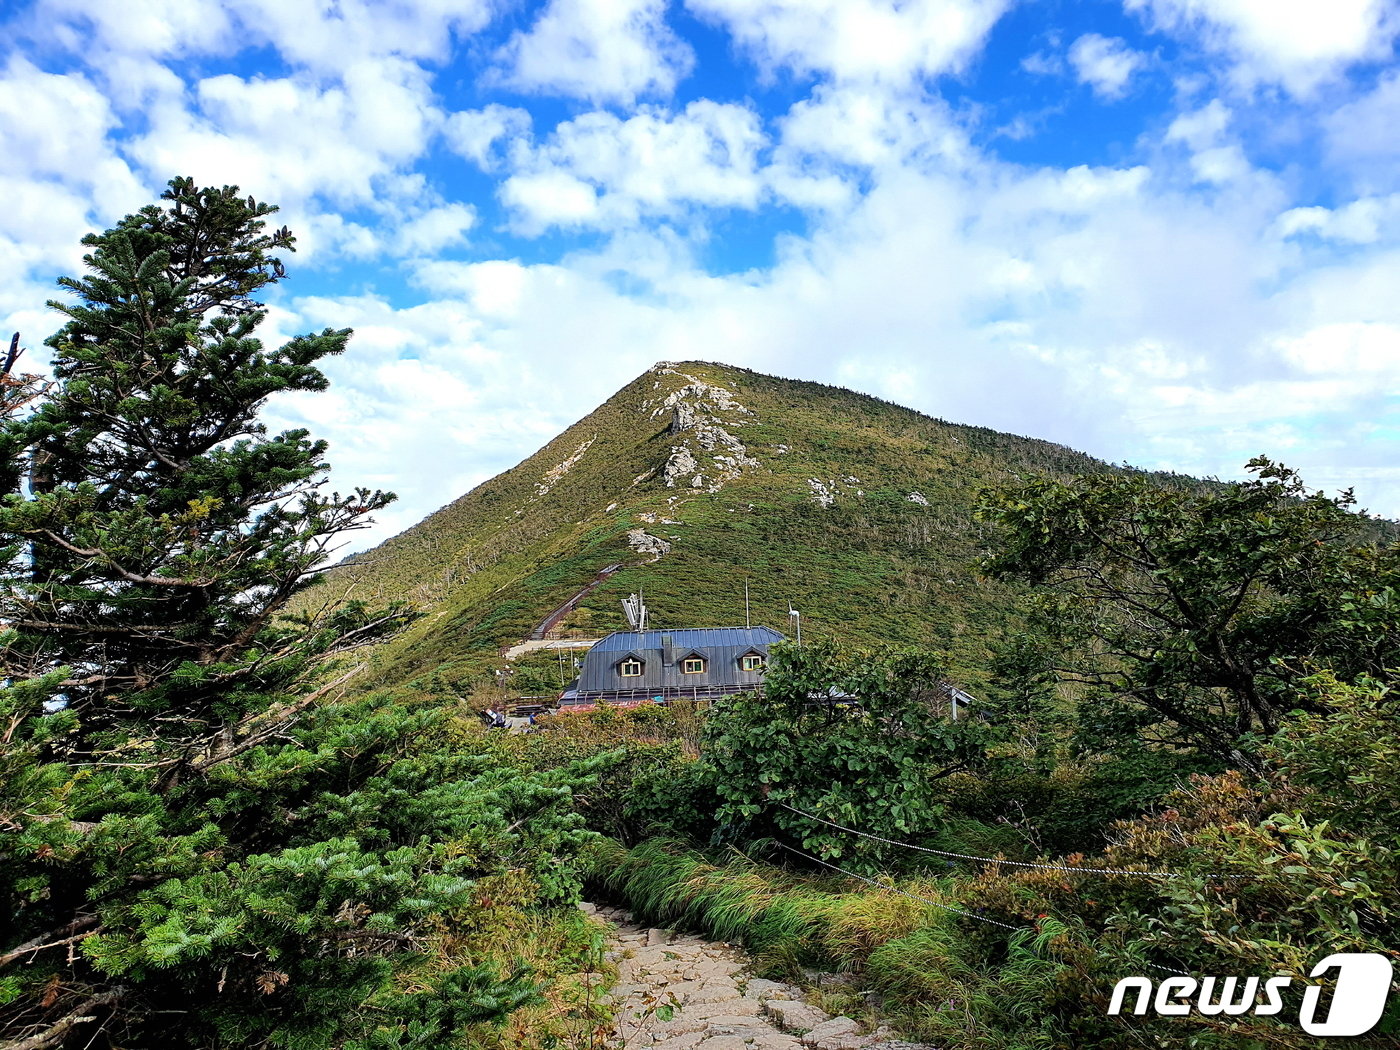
[{"x": 1165, "y": 232}]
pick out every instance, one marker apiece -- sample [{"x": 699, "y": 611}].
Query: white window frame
[
  {"x": 685, "y": 669},
  {"x": 631, "y": 661}
]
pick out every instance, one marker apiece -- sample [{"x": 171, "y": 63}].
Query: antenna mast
[{"x": 635, "y": 609}]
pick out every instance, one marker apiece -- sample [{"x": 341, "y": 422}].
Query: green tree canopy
[
  {"x": 859, "y": 737},
  {"x": 201, "y": 848},
  {"x": 1191, "y": 612}
]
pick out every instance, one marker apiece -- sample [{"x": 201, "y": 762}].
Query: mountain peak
[{"x": 690, "y": 479}]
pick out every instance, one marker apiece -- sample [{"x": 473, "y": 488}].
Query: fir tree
[{"x": 200, "y": 846}]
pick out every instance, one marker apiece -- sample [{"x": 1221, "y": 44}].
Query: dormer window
[
  {"x": 630, "y": 668},
  {"x": 693, "y": 665},
  {"x": 751, "y": 662}
]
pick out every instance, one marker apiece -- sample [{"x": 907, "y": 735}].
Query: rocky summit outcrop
[
  {"x": 681, "y": 992},
  {"x": 705, "y": 456}
]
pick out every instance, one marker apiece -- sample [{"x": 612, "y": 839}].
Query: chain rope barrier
[{"x": 993, "y": 860}]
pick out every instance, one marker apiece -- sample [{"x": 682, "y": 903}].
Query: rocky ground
[{"x": 681, "y": 992}]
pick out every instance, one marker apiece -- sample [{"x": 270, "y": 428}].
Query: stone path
[{"x": 681, "y": 992}]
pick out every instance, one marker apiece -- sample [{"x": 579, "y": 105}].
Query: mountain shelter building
[{"x": 707, "y": 663}]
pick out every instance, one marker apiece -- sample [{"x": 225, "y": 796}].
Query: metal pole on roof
[{"x": 746, "y": 603}]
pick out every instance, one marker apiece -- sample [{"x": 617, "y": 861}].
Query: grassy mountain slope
[{"x": 856, "y": 510}]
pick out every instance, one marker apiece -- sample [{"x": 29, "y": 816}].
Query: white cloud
[
  {"x": 873, "y": 127},
  {"x": 880, "y": 40},
  {"x": 292, "y": 138},
  {"x": 1360, "y": 351},
  {"x": 1101, "y": 307},
  {"x": 1214, "y": 156},
  {"x": 55, "y": 126},
  {"x": 327, "y": 235},
  {"x": 495, "y": 289},
  {"x": 306, "y": 32},
  {"x": 1043, "y": 64},
  {"x": 463, "y": 388},
  {"x": 434, "y": 229},
  {"x": 1296, "y": 43},
  {"x": 151, "y": 27},
  {"x": 328, "y": 35},
  {"x": 1106, "y": 64},
  {"x": 60, "y": 177},
  {"x": 599, "y": 50},
  {"x": 550, "y": 198},
  {"x": 1202, "y": 128},
  {"x": 1361, "y": 134},
  {"x": 476, "y": 133},
  {"x": 1180, "y": 309},
  {"x": 1366, "y": 220},
  {"x": 49, "y": 122},
  {"x": 601, "y": 170}
]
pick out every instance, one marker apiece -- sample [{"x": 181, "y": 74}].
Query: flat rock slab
[
  {"x": 726, "y": 1042},
  {"x": 731, "y": 1007},
  {"x": 795, "y": 1016},
  {"x": 758, "y": 988},
  {"x": 715, "y": 992},
  {"x": 840, "y": 1033},
  {"x": 736, "y": 1021},
  {"x": 684, "y": 1041},
  {"x": 835, "y": 1026}
]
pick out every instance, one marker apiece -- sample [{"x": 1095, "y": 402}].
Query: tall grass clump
[
  {"x": 937, "y": 976},
  {"x": 782, "y": 916}
]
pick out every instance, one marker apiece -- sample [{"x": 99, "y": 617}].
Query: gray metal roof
[
  {"x": 662, "y": 656},
  {"x": 688, "y": 638}
]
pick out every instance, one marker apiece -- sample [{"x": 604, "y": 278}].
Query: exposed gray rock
[
  {"x": 644, "y": 542},
  {"x": 684, "y": 1041},
  {"x": 758, "y": 988},
  {"x": 696, "y": 418},
  {"x": 795, "y": 1016},
  {"x": 552, "y": 476},
  {"x": 681, "y": 464},
  {"x": 726, "y": 1041},
  {"x": 832, "y": 1027},
  {"x": 823, "y": 493},
  {"x": 736, "y": 1007},
  {"x": 718, "y": 991},
  {"x": 839, "y": 1033}
]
